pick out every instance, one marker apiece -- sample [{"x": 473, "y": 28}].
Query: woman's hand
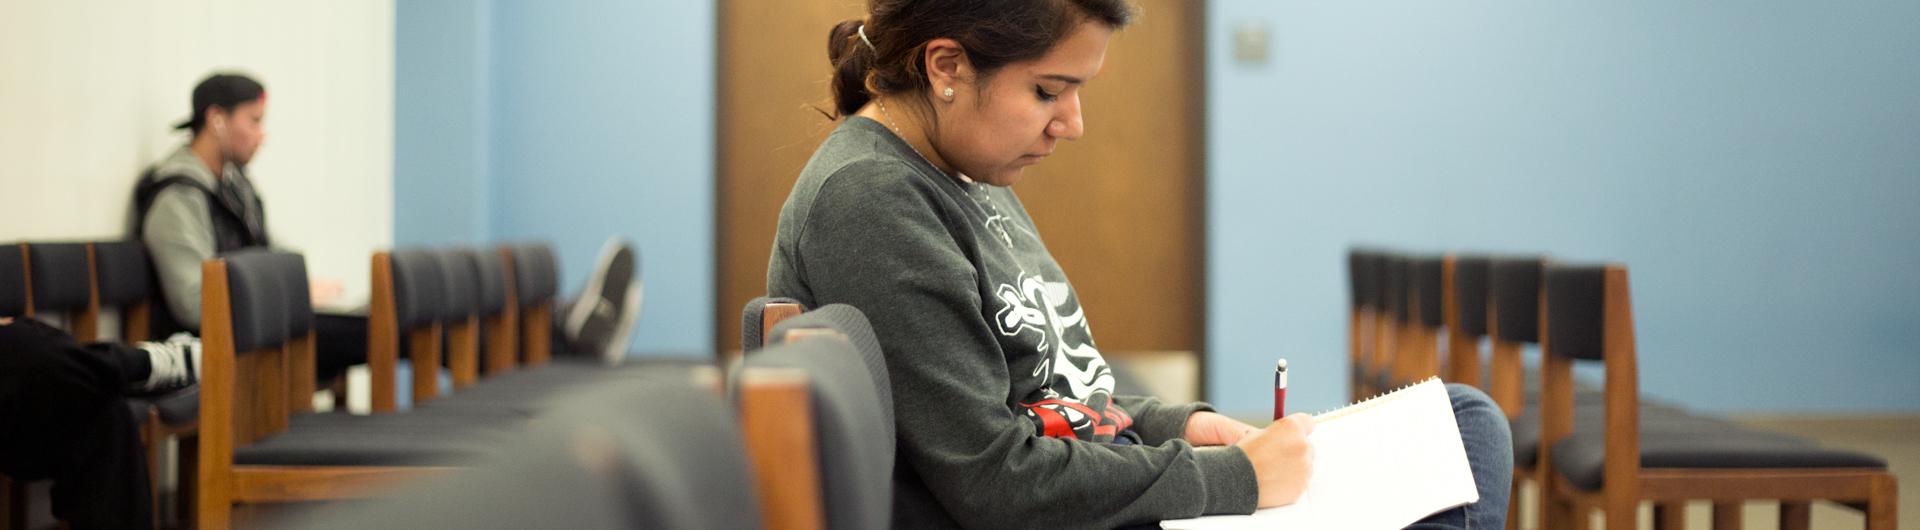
[
  {"x": 1282, "y": 459},
  {"x": 1209, "y": 428}
]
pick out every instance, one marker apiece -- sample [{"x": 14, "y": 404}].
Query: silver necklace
[{"x": 903, "y": 139}]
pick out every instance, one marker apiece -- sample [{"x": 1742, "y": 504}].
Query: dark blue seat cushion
[{"x": 1582, "y": 457}]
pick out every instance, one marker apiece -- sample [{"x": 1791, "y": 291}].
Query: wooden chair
[
  {"x": 1390, "y": 274},
  {"x": 1587, "y": 315},
  {"x": 406, "y": 303},
  {"x": 1466, "y": 315},
  {"x": 597, "y": 461},
  {"x": 1417, "y": 356},
  {"x": 499, "y": 317},
  {"x": 1362, "y": 311},
  {"x": 256, "y": 380},
  {"x": 123, "y": 282},
  {"x": 536, "y": 284},
  {"x": 58, "y": 276},
  {"x": 818, "y": 425}
]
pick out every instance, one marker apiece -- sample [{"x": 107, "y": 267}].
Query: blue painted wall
[
  {"x": 441, "y": 82},
  {"x": 598, "y": 121},
  {"x": 1757, "y": 166}
]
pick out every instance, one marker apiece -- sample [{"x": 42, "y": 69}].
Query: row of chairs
[
  {"x": 1587, "y": 449},
  {"x": 80, "y": 287},
  {"x": 796, "y": 434},
  {"x": 425, "y": 297},
  {"x": 262, "y": 444}
]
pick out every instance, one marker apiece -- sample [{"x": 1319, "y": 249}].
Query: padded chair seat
[
  {"x": 180, "y": 407},
  {"x": 1654, "y": 417},
  {"x": 1581, "y": 458},
  {"x": 387, "y": 440}
]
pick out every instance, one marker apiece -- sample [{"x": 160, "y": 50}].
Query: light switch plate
[{"x": 1251, "y": 39}]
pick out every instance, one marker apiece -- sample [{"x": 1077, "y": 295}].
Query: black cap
[{"x": 224, "y": 91}]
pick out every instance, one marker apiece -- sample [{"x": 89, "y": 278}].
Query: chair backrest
[
  {"x": 1513, "y": 320},
  {"x": 1428, "y": 280},
  {"x": 536, "y": 283},
  {"x": 1466, "y": 317},
  {"x": 408, "y": 303},
  {"x": 13, "y": 281},
  {"x": 253, "y": 305},
  {"x": 1588, "y": 316},
  {"x": 760, "y": 315},
  {"x": 460, "y": 315},
  {"x": 852, "y": 324},
  {"x": 597, "y": 461},
  {"x": 821, "y": 450},
  {"x": 60, "y": 279},
  {"x": 499, "y": 314},
  {"x": 123, "y": 280}
]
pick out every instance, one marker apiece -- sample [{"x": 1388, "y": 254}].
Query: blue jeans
[{"x": 1484, "y": 431}]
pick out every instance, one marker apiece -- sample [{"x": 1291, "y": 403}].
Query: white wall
[{"x": 90, "y": 88}]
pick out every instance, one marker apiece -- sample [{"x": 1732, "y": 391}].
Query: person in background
[
  {"x": 199, "y": 202},
  {"x": 1008, "y": 416}
]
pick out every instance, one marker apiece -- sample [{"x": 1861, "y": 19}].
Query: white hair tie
[{"x": 863, "y": 38}]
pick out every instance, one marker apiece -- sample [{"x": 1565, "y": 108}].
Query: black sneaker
[
  {"x": 599, "y": 318},
  {"x": 175, "y": 363}
]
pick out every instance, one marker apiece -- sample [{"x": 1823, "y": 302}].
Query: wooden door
[{"x": 1121, "y": 209}]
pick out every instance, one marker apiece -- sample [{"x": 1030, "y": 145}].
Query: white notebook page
[{"x": 1383, "y": 463}]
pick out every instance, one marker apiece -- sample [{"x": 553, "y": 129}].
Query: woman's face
[{"x": 991, "y": 132}]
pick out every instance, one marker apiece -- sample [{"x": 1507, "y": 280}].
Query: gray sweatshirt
[
  {"x": 180, "y": 232},
  {"x": 1006, "y": 410}
]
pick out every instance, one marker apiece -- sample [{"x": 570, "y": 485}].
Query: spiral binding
[{"x": 1368, "y": 403}]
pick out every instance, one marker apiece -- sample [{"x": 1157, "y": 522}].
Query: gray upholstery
[
  {"x": 59, "y": 276},
  {"x": 852, "y": 323},
  {"x": 293, "y": 274},
  {"x": 490, "y": 281},
  {"x": 419, "y": 287},
  {"x": 122, "y": 271},
  {"x": 179, "y": 407},
  {"x": 460, "y": 292},
  {"x": 536, "y": 273},
  {"x": 1575, "y": 300},
  {"x": 1470, "y": 293},
  {"x": 856, "y": 443},
  {"x": 1582, "y": 457},
  {"x": 1588, "y": 414},
  {"x": 602, "y": 459},
  {"x": 257, "y": 281},
  {"x": 13, "y": 281},
  {"x": 1394, "y": 289},
  {"x": 1359, "y": 270},
  {"x": 1514, "y": 287},
  {"x": 1426, "y": 281},
  {"x": 752, "y": 321}
]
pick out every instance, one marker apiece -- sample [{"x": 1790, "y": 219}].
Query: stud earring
[{"x": 948, "y": 93}]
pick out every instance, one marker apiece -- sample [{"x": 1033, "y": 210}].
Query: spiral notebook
[{"x": 1382, "y": 463}]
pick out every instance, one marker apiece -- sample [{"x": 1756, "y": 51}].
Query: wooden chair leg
[
  {"x": 1572, "y": 516},
  {"x": 1796, "y": 515},
  {"x": 1883, "y": 502},
  {"x": 1622, "y": 514},
  {"x": 1726, "y": 515},
  {"x": 10, "y": 506},
  {"x": 1670, "y": 515},
  {"x": 1513, "y": 505}
]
